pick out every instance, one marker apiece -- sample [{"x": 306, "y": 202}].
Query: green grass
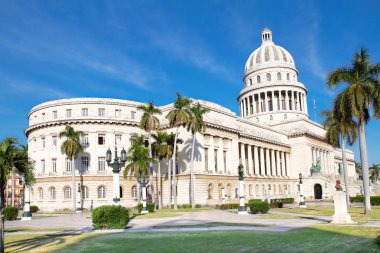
[
  {"x": 313, "y": 239},
  {"x": 156, "y": 215},
  {"x": 277, "y": 216},
  {"x": 210, "y": 225}
]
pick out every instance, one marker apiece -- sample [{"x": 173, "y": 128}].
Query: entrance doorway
[{"x": 317, "y": 191}]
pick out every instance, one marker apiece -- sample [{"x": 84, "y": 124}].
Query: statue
[
  {"x": 338, "y": 187},
  {"x": 241, "y": 172},
  {"x": 315, "y": 169},
  {"x": 340, "y": 169}
]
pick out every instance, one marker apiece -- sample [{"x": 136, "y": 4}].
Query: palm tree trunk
[
  {"x": 175, "y": 169},
  {"x": 159, "y": 184},
  {"x": 169, "y": 184},
  {"x": 345, "y": 171},
  {"x": 151, "y": 171},
  {"x": 2, "y": 225},
  {"x": 192, "y": 173},
  {"x": 364, "y": 161},
  {"x": 74, "y": 193},
  {"x": 13, "y": 186}
]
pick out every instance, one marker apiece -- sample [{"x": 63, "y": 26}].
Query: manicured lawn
[
  {"x": 314, "y": 239},
  {"x": 156, "y": 215},
  {"x": 210, "y": 225}
]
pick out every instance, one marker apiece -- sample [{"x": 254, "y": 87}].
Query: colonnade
[
  {"x": 323, "y": 156},
  {"x": 281, "y": 100},
  {"x": 218, "y": 154},
  {"x": 262, "y": 161}
]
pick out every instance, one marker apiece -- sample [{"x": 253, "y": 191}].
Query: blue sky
[{"x": 148, "y": 50}]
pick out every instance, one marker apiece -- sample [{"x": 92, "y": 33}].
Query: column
[
  {"x": 259, "y": 102},
  {"x": 300, "y": 101},
  {"x": 286, "y": 100},
  {"x": 328, "y": 162},
  {"x": 256, "y": 160},
  {"x": 325, "y": 161},
  {"x": 293, "y": 101},
  {"x": 266, "y": 102},
  {"x": 220, "y": 156},
  {"x": 211, "y": 161},
  {"x": 229, "y": 156},
  {"x": 278, "y": 169},
  {"x": 267, "y": 162},
  {"x": 242, "y": 154},
  {"x": 305, "y": 103},
  {"x": 312, "y": 155},
  {"x": 275, "y": 102},
  {"x": 287, "y": 161},
  {"x": 246, "y": 107},
  {"x": 322, "y": 163},
  {"x": 282, "y": 164},
  {"x": 273, "y": 163},
  {"x": 250, "y": 164},
  {"x": 241, "y": 108},
  {"x": 262, "y": 165}
]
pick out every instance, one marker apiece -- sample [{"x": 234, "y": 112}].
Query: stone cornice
[{"x": 256, "y": 87}]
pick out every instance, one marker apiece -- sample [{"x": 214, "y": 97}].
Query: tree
[
  {"x": 360, "y": 96},
  {"x": 159, "y": 150},
  {"x": 72, "y": 148},
  {"x": 13, "y": 156},
  {"x": 358, "y": 170},
  {"x": 196, "y": 125},
  {"x": 374, "y": 172},
  {"x": 178, "y": 116},
  {"x": 149, "y": 122},
  {"x": 338, "y": 131}
]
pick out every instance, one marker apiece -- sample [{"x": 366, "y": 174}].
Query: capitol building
[{"x": 273, "y": 138}]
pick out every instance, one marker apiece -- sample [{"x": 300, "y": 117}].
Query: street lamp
[
  {"x": 27, "y": 214},
  {"x": 302, "y": 198},
  {"x": 242, "y": 209},
  {"x": 269, "y": 192},
  {"x": 116, "y": 166},
  {"x": 143, "y": 179}
]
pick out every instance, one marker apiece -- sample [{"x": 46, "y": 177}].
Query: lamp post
[
  {"x": 143, "y": 180},
  {"x": 116, "y": 166},
  {"x": 27, "y": 214},
  {"x": 302, "y": 198},
  {"x": 269, "y": 193},
  {"x": 79, "y": 199},
  {"x": 242, "y": 209}
]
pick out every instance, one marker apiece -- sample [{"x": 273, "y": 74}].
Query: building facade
[{"x": 273, "y": 138}]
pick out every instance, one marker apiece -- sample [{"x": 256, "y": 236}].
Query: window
[
  {"x": 52, "y": 192},
  {"x": 133, "y": 114},
  {"x": 85, "y": 193},
  {"x": 210, "y": 191},
  {"x": 102, "y": 112},
  {"x": 68, "y": 165},
  {"x": 84, "y": 160},
  {"x": 55, "y": 115},
  {"x": 225, "y": 160},
  {"x": 279, "y": 76},
  {"x": 258, "y": 79},
  {"x": 54, "y": 140},
  {"x": 67, "y": 192},
  {"x": 287, "y": 76},
  {"x": 84, "y": 139},
  {"x": 84, "y": 112},
  {"x": 68, "y": 113},
  {"x": 134, "y": 192},
  {"x": 101, "y": 192},
  {"x": 43, "y": 166},
  {"x": 43, "y": 142},
  {"x": 101, "y": 164},
  {"x": 43, "y": 116},
  {"x": 117, "y": 113},
  {"x": 101, "y": 139},
  {"x": 121, "y": 192},
  {"x": 216, "y": 159},
  {"x": 54, "y": 165},
  {"x": 206, "y": 159},
  {"x": 40, "y": 193},
  {"x": 269, "y": 77},
  {"x": 250, "y": 81},
  {"x": 117, "y": 139}
]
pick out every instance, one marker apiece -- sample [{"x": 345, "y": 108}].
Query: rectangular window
[
  {"x": 54, "y": 141},
  {"x": 101, "y": 164},
  {"x": 54, "y": 164},
  {"x": 43, "y": 116},
  {"x": 133, "y": 114},
  {"x": 43, "y": 142},
  {"x": 102, "y": 112},
  {"x": 85, "y": 164},
  {"x": 84, "y": 139},
  {"x": 68, "y": 113},
  {"x": 216, "y": 159},
  {"x": 117, "y": 113},
  {"x": 117, "y": 140},
  {"x": 101, "y": 139},
  {"x": 225, "y": 160},
  {"x": 68, "y": 165},
  {"x": 84, "y": 112},
  {"x": 43, "y": 166},
  {"x": 55, "y": 115},
  {"x": 206, "y": 159}
]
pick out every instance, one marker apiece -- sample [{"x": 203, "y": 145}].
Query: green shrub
[
  {"x": 375, "y": 200},
  {"x": 378, "y": 240},
  {"x": 34, "y": 209},
  {"x": 186, "y": 206},
  {"x": 279, "y": 203},
  {"x": 198, "y": 205},
  {"x": 258, "y": 206},
  {"x": 10, "y": 213},
  {"x": 139, "y": 207},
  {"x": 150, "y": 207},
  {"x": 229, "y": 206},
  {"x": 110, "y": 217}
]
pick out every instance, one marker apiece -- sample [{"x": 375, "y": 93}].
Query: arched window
[
  {"x": 229, "y": 191},
  {"x": 263, "y": 190},
  {"x": 67, "y": 192},
  {"x": 220, "y": 195},
  {"x": 250, "y": 81},
  {"x": 288, "y": 77},
  {"x": 121, "y": 192},
  {"x": 250, "y": 190},
  {"x": 134, "y": 192},
  {"x": 274, "y": 189},
  {"x": 40, "y": 193},
  {"x": 257, "y": 189},
  {"x": 210, "y": 191},
  {"x": 85, "y": 193},
  {"x": 52, "y": 192},
  {"x": 269, "y": 77},
  {"x": 236, "y": 193},
  {"x": 101, "y": 192},
  {"x": 279, "y": 76},
  {"x": 279, "y": 189},
  {"x": 258, "y": 79},
  {"x": 289, "y": 189}
]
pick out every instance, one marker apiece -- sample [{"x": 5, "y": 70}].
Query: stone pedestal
[
  {"x": 27, "y": 215},
  {"x": 341, "y": 215},
  {"x": 242, "y": 209}
]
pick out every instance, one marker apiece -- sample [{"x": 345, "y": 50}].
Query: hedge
[
  {"x": 110, "y": 217},
  {"x": 375, "y": 200},
  {"x": 34, "y": 209},
  {"x": 229, "y": 206},
  {"x": 258, "y": 206},
  {"x": 149, "y": 206},
  {"x": 279, "y": 203},
  {"x": 10, "y": 213}
]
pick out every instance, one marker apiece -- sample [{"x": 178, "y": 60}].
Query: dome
[{"x": 269, "y": 55}]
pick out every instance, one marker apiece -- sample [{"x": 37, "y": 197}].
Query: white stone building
[{"x": 273, "y": 138}]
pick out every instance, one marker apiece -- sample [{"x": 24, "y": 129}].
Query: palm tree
[
  {"x": 358, "y": 170},
  {"x": 195, "y": 125},
  {"x": 338, "y": 131},
  {"x": 12, "y": 156},
  {"x": 374, "y": 171},
  {"x": 149, "y": 122},
  {"x": 72, "y": 148},
  {"x": 361, "y": 95},
  {"x": 178, "y": 116},
  {"x": 159, "y": 149}
]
